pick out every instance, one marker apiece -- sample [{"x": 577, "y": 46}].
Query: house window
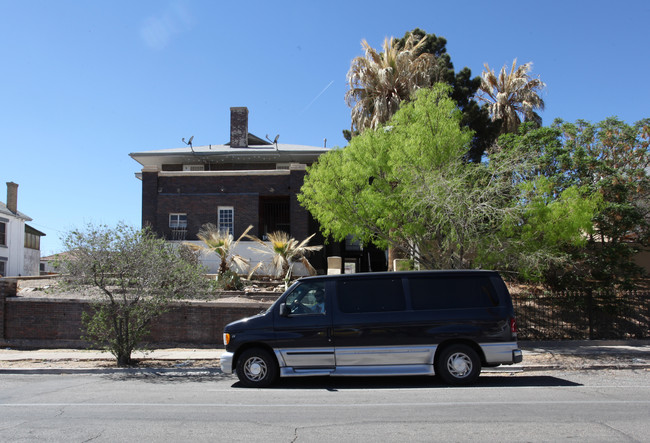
[
  {"x": 178, "y": 226},
  {"x": 351, "y": 244},
  {"x": 178, "y": 221},
  {"x": 3, "y": 234},
  {"x": 3, "y": 267},
  {"x": 32, "y": 241},
  {"x": 226, "y": 219}
]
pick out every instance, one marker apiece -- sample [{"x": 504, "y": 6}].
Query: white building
[{"x": 20, "y": 244}]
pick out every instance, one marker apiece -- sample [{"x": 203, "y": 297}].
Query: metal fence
[{"x": 583, "y": 315}]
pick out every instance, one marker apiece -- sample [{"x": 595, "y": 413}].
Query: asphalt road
[{"x": 606, "y": 405}]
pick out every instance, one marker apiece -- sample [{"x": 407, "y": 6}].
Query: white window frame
[
  {"x": 175, "y": 221},
  {"x": 226, "y": 224}
]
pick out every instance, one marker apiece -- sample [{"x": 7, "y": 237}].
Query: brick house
[{"x": 247, "y": 181}]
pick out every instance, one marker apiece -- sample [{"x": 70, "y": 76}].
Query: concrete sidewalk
[
  {"x": 175, "y": 354},
  {"x": 585, "y": 354},
  {"x": 548, "y": 355}
]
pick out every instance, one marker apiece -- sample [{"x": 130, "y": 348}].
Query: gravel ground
[{"x": 50, "y": 288}]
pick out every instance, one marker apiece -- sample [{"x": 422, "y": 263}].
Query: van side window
[
  {"x": 452, "y": 293},
  {"x": 370, "y": 295},
  {"x": 307, "y": 298}
]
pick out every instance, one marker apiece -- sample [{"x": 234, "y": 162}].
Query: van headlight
[{"x": 226, "y": 338}]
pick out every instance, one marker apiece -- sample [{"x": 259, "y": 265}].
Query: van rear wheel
[
  {"x": 458, "y": 365},
  {"x": 257, "y": 368}
]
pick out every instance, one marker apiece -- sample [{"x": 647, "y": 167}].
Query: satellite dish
[{"x": 189, "y": 143}]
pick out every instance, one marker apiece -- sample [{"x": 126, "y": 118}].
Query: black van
[{"x": 449, "y": 323}]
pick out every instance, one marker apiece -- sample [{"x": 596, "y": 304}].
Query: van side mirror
[{"x": 284, "y": 311}]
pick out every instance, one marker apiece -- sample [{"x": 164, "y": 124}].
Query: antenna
[
  {"x": 275, "y": 140},
  {"x": 189, "y": 142}
]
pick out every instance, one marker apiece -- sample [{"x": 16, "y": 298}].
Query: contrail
[{"x": 316, "y": 98}]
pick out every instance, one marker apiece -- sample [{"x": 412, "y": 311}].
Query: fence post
[{"x": 590, "y": 310}]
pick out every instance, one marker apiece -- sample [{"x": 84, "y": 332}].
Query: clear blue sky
[{"x": 84, "y": 83}]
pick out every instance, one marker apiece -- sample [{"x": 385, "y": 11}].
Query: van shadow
[{"x": 343, "y": 383}]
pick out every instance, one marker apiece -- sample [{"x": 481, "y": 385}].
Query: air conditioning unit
[{"x": 193, "y": 168}]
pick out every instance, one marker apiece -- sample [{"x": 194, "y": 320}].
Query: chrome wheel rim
[
  {"x": 459, "y": 365},
  {"x": 255, "y": 369}
]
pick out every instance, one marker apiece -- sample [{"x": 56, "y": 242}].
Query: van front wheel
[
  {"x": 458, "y": 365},
  {"x": 257, "y": 368}
]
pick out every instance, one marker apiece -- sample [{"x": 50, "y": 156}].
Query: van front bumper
[{"x": 226, "y": 362}]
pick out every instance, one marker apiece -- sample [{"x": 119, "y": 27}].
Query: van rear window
[
  {"x": 452, "y": 293},
  {"x": 370, "y": 295}
]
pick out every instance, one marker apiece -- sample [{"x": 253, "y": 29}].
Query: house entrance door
[{"x": 274, "y": 215}]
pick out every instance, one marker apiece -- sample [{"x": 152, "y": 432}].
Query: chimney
[
  {"x": 239, "y": 127},
  {"x": 12, "y": 197}
]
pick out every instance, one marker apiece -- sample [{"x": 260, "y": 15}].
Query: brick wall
[
  {"x": 150, "y": 199},
  {"x": 57, "y": 323},
  {"x": 199, "y": 196}
]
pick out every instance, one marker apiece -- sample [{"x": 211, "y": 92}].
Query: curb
[{"x": 217, "y": 370}]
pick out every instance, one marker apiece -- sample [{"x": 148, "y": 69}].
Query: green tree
[
  {"x": 135, "y": 276},
  {"x": 615, "y": 163},
  {"x": 408, "y": 185},
  {"x": 370, "y": 81},
  {"x": 464, "y": 88},
  {"x": 511, "y": 96},
  {"x": 607, "y": 162}
]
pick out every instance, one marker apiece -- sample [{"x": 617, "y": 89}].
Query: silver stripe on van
[
  {"x": 356, "y": 356},
  {"x": 385, "y": 355},
  {"x": 305, "y": 357}
]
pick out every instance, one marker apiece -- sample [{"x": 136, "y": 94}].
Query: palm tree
[
  {"x": 222, "y": 244},
  {"x": 379, "y": 82},
  {"x": 286, "y": 251},
  {"x": 511, "y": 96}
]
